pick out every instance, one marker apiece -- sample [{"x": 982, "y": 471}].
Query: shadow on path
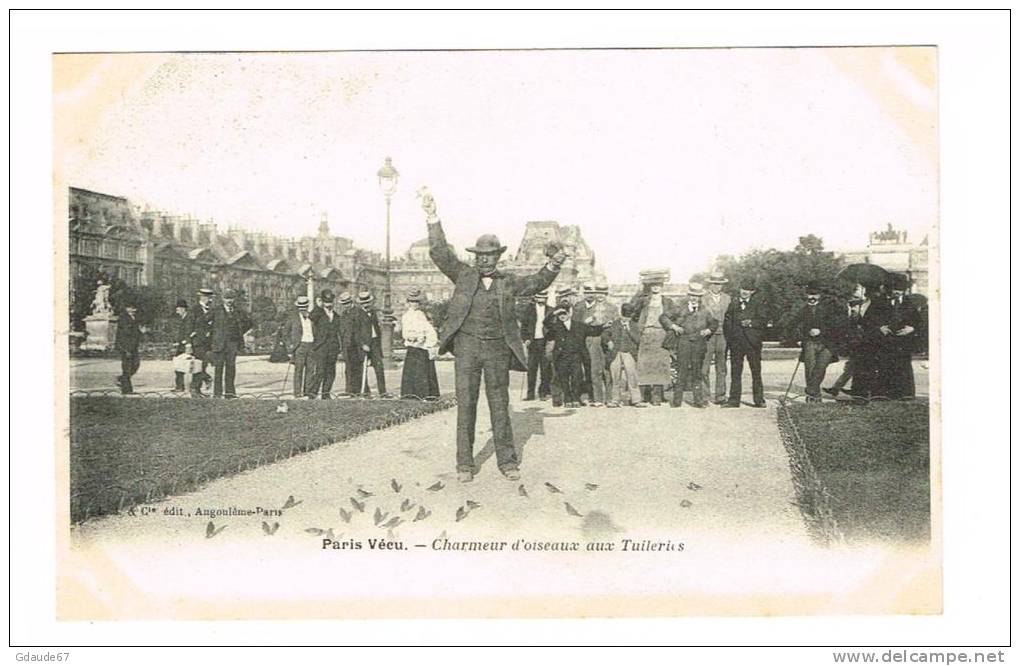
[{"x": 525, "y": 423}]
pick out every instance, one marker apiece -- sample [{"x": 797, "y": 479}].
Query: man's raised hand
[{"x": 428, "y": 204}]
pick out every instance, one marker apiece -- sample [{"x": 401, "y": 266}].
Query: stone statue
[{"x": 101, "y": 303}]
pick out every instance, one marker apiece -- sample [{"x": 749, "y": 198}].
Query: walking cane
[
  {"x": 364, "y": 374},
  {"x": 283, "y": 389},
  {"x": 792, "y": 377}
]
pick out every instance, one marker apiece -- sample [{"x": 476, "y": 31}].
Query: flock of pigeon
[{"x": 389, "y": 521}]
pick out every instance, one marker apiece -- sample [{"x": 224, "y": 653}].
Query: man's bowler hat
[
  {"x": 326, "y": 295},
  {"x": 487, "y": 244}
]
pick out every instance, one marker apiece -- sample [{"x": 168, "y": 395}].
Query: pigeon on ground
[
  {"x": 395, "y": 485},
  {"x": 521, "y": 491},
  {"x": 329, "y": 534},
  {"x": 591, "y": 486},
  {"x": 461, "y": 514},
  {"x": 379, "y": 515},
  {"x": 312, "y": 530},
  {"x": 364, "y": 493},
  {"x": 393, "y": 522},
  {"x": 686, "y": 504},
  {"x": 270, "y": 529},
  {"x": 345, "y": 515},
  {"x": 211, "y": 530},
  {"x": 358, "y": 505},
  {"x": 693, "y": 486},
  {"x": 422, "y": 514},
  {"x": 290, "y": 503},
  {"x": 438, "y": 485},
  {"x": 571, "y": 510},
  {"x": 471, "y": 504},
  {"x": 390, "y": 535},
  {"x": 406, "y": 505},
  {"x": 552, "y": 488}
]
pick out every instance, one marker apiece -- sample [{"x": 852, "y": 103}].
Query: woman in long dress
[
  {"x": 653, "y": 362},
  {"x": 419, "y": 379}
]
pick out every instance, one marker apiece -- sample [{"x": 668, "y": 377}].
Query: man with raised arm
[{"x": 482, "y": 333}]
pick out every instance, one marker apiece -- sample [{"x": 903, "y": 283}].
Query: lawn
[
  {"x": 867, "y": 472},
  {"x": 128, "y": 451}
]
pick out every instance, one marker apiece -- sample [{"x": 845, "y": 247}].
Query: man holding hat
[
  {"x": 533, "y": 336},
  {"x": 127, "y": 341},
  {"x": 716, "y": 302},
  {"x": 180, "y": 329},
  {"x": 229, "y": 325},
  {"x": 688, "y": 326},
  {"x": 201, "y": 339},
  {"x": 819, "y": 329},
  {"x": 325, "y": 345},
  {"x": 483, "y": 333},
  {"x": 368, "y": 338},
  {"x": 301, "y": 341},
  {"x": 744, "y": 327}
]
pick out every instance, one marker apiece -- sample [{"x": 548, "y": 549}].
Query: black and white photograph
[{"x": 499, "y": 332}]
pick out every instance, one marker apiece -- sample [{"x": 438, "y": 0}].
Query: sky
[{"x": 663, "y": 157}]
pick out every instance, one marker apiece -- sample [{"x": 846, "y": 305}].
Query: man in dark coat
[
  {"x": 326, "y": 346},
  {"x": 564, "y": 299},
  {"x": 688, "y": 326},
  {"x": 569, "y": 345},
  {"x": 871, "y": 321},
  {"x": 744, "y": 327},
  {"x": 533, "y": 336},
  {"x": 201, "y": 339},
  {"x": 352, "y": 355},
  {"x": 229, "y": 325},
  {"x": 128, "y": 338},
  {"x": 482, "y": 332},
  {"x": 367, "y": 332},
  {"x": 180, "y": 331},
  {"x": 300, "y": 341},
  {"x": 896, "y": 374},
  {"x": 819, "y": 327}
]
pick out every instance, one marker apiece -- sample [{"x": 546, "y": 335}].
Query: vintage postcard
[{"x": 509, "y": 333}]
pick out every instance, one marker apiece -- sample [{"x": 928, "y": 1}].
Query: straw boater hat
[
  {"x": 414, "y": 295},
  {"x": 345, "y": 298},
  {"x": 301, "y": 302},
  {"x": 601, "y": 288},
  {"x": 695, "y": 289},
  {"x": 717, "y": 277},
  {"x": 654, "y": 276},
  {"x": 589, "y": 288},
  {"x": 542, "y": 295},
  {"x": 566, "y": 291},
  {"x": 487, "y": 244},
  {"x": 365, "y": 297},
  {"x": 205, "y": 291}
]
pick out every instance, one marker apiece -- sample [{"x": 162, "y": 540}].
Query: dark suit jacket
[
  {"x": 362, "y": 325},
  {"x": 691, "y": 323},
  {"x": 571, "y": 341},
  {"x": 746, "y": 337},
  {"x": 201, "y": 329},
  {"x": 528, "y": 320},
  {"x": 128, "y": 334},
  {"x": 623, "y": 339},
  {"x": 828, "y": 318},
  {"x": 467, "y": 280},
  {"x": 295, "y": 331},
  {"x": 347, "y": 318},
  {"x": 228, "y": 329},
  {"x": 326, "y": 332}
]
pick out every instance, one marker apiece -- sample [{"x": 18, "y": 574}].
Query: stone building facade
[{"x": 890, "y": 249}]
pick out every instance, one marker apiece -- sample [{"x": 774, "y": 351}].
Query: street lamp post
[{"x": 388, "y": 177}]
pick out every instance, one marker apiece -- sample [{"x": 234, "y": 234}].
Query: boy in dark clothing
[
  {"x": 622, "y": 338},
  {"x": 568, "y": 351}
]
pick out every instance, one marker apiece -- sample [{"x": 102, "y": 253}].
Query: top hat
[
  {"x": 205, "y": 291},
  {"x": 301, "y": 302},
  {"x": 487, "y": 244},
  {"x": 717, "y": 277},
  {"x": 230, "y": 294},
  {"x": 365, "y": 297},
  {"x": 326, "y": 295},
  {"x": 899, "y": 282},
  {"x": 695, "y": 289},
  {"x": 345, "y": 298},
  {"x": 181, "y": 303},
  {"x": 414, "y": 295}
]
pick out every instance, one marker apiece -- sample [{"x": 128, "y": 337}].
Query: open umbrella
[{"x": 869, "y": 275}]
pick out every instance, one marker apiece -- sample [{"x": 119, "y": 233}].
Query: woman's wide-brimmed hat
[{"x": 487, "y": 244}]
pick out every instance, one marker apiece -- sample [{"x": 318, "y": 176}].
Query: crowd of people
[{"x": 316, "y": 337}]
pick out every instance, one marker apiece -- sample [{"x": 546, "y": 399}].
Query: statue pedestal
[{"x": 101, "y": 332}]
